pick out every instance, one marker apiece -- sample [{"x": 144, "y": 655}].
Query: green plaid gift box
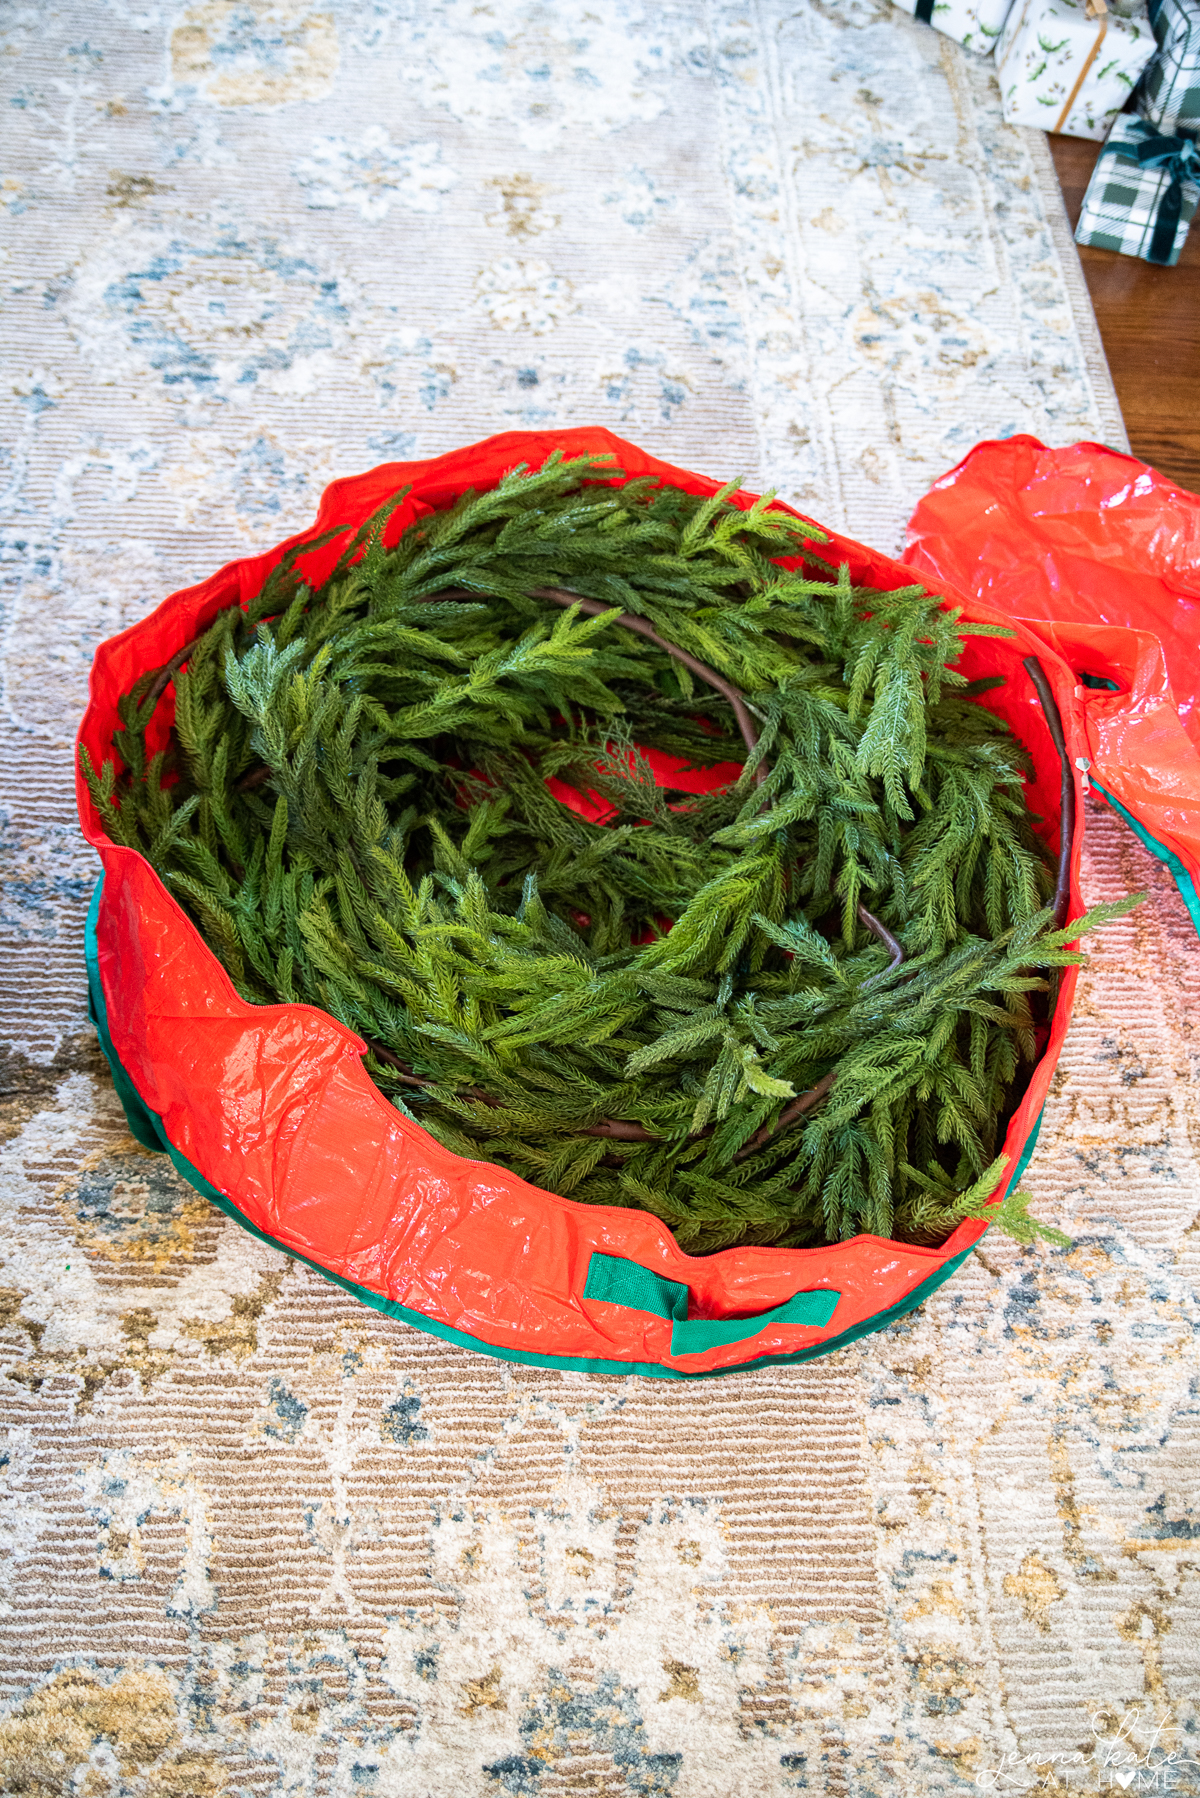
[
  {"x": 1143, "y": 193},
  {"x": 1169, "y": 95}
]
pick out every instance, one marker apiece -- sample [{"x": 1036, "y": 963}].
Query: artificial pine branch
[{"x": 787, "y": 1011}]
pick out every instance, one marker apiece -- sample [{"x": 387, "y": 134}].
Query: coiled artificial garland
[{"x": 420, "y": 796}]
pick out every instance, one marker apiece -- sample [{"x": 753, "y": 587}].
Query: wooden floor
[{"x": 1149, "y": 319}]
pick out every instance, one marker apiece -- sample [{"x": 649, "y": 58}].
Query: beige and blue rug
[{"x": 257, "y": 1539}]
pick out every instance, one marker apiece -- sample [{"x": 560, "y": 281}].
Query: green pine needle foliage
[{"x": 353, "y": 807}]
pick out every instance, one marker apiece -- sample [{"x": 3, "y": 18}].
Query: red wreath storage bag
[
  {"x": 269, "y": 1111},
  {"x": 1100, "y": 555}
]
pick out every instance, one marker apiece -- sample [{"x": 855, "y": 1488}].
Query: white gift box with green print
[
  {"x": 975, "y": 24},
  {"x": 1068, "y": 67},
  {"x": 1170, "y": 92},
  {"x": 1143, "y": 193}
]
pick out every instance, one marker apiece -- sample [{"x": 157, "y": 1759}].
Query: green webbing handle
[{"x": 621, "y": 1282}]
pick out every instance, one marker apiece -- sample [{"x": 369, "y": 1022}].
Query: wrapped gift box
[
  {"x": 1069, "y": 67},
  {"x": 1170, "y": 92},
  {"x": 975, "y": 24},
  {"x": 1143, "y": 193}
]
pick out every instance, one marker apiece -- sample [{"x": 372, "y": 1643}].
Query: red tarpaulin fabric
[{"x": 1101, "y": 555}]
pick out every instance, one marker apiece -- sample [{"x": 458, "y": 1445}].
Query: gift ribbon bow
[{"x": 1177, "y": 157}]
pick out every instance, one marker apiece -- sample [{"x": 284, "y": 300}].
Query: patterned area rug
[{"x": 259, "y": 1539}]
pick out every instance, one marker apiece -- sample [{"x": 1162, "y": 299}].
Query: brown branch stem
[
  {"x": 169, "y": 670},
  {"x": 788, "y": 1116},
  {"x": 405, "y": 1074},
  {"x": 562, "y": 596},
  {"x": 254, "y": 778},
  {"x": 619, "y": 1131},
  {"x": 1054, "y": 723},
  {"x": 890, "y": 943}
]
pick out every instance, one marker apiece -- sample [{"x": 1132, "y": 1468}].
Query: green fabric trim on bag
[
  {"x": 1168, "y": 857},
  {"x": 147, "y": 1127},
  {"x": 144, "y": 1126},
  {"x": 638, "y": 1288}
]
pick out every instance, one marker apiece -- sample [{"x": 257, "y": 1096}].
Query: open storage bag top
[
  {"x": 1100, "y": 555},
  {"x": 270, "y": 1112}
]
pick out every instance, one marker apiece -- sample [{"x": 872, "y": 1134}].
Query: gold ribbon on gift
[{"x": 1096, "y": 9}]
